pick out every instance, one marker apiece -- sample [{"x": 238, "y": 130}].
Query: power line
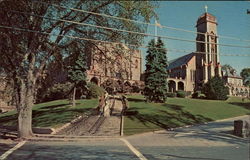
[
  {"x": 132, "y": 32},
  {"x": 146, "y": 23},
  {"x": 115, "y": 43}
]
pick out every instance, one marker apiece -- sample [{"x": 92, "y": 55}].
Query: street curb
[
  {"x": 232, "y": 118},
  {"x": 66, "y": 138}
]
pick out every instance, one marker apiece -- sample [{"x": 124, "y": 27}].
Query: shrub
[
  {"x": 181, "y": 94},
  {"x": 170, "y": 94},
  {"x": 94, "y": 90},
  {"x": 57, "y": 91},
  {"x": 215, "y": 89},
  {"x": 188, "y": 93},
  {"x": 110, "y": 85},
  {"x": 196, "y": 94},
  {"x": 136, "y": 87}
]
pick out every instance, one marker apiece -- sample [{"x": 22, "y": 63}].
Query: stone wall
[
  {"x": 116, "y": 62},
  {"x": 4, "y": 107}
]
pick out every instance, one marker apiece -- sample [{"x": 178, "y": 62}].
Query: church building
[
  {"x": 116, "y": 62},
  {"x": 190, "y": 71}
]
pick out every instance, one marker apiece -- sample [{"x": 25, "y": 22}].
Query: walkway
[{"x": 97, "y": 125}]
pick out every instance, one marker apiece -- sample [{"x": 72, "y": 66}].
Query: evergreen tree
[
  {"x": 156, "y": 74},
  {"x": 77, "y": 74},
  {"x": 215, "y": 89}
]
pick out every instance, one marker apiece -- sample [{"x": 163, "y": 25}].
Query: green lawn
[
  {"x": 52, "y": 114},
  {"x": 179, "y": 112},
  {"x": 142, "y": 116}
]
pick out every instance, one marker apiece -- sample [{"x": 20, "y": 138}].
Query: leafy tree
[
  {"x": 34, "y": 36},
  {"x": 94, "y": 91},
  {"x": 110, "y": 85},
  {"x": 77, "y": 72},
  {"x": 215, "y": 89},
  {"x": 245, "y": 74},
  {"x": 228, "y": 69},
  {"x": 156, "y": 74}
]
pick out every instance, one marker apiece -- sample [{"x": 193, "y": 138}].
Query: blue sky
[{"x": 232, "y": 21}]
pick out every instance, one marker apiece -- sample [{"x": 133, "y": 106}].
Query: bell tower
[{"x": 207, "y": 50}]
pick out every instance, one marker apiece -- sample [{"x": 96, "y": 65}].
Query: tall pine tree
[{"x": 156, "y": 74}]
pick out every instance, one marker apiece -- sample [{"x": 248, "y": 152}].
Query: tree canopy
[
  {"x": 245, "y": 74},
  {"x": 228, "y": 69},
  {"x": 35, "y": 33}
]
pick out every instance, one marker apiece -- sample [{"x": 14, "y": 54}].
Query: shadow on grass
[
  {"x": 56, "y": 115},
  {"x": 10, "y": 119},
  {"x": 48, "y": 116},
  {"x": 172, "y": 116},
  {"x": 241, "y": 104},
  {"x": 53, "y": 106},
  {"x": 136, "y": 100}
]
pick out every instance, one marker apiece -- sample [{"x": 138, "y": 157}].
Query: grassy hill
[
  {"x": 52, "y": 114},
  {"x": 142, "y": 116},
  {"x": 179, "y": 112}
]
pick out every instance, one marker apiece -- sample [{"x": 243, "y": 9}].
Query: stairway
[{"x": 97, "y": 125}]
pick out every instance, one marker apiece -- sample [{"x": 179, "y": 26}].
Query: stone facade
[
  {"x": 235, "y": 85},
  {"x": 191, "y": 71},
  {"x": 182, "y": 75},
  {"x": 116, "y": 62},
  {"x": 208, "y": 64}
]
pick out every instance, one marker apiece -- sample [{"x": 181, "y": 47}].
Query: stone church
[
  {"x": 190, "y": 71},
  {"x": 116, "y": 62}
]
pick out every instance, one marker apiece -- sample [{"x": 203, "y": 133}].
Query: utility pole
[
  {"x": 155, "y": 30},
  {"x": 156, "y": 25}
]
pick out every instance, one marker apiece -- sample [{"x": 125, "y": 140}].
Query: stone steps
[{"x": 96, "y": 125}]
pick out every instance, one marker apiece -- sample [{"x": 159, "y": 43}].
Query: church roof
[
  {"x": 206, "y": 15},
  {"x": 180, "y": 61}
]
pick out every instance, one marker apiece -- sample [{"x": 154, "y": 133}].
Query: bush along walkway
[{"x": 99, "y": 123}]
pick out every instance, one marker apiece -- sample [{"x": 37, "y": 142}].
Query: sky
[{"x": 232, "y": 19}]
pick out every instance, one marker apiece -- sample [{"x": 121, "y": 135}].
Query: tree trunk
[
  {"x": 25, "y": 122},
  {"x": 74, "y": 97},
  {"x": 26, "y": 98}
]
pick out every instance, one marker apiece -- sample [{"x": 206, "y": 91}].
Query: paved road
[
  {"x": 212, "y": 141},
  {"x": 89, "y": 150},
  {"x": 5, "y": 145}
]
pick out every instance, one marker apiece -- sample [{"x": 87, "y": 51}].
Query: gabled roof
[{"x": 180, "y": 61}]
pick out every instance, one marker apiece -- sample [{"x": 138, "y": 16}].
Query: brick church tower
[{"x": 207, "y": 56}]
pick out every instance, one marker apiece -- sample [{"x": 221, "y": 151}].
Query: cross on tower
[{"x": 206, "y": 8}]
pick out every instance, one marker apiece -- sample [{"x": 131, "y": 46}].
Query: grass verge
[
  {"x": 52, "y": 114},
  {"x": 178, "y": 112}
]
